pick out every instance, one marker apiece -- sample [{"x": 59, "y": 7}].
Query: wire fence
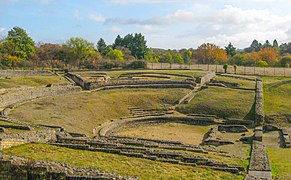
[{"x": 247, "y": 70}]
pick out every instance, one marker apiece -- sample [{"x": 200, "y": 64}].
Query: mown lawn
[
  {"x": 223, "y": 102},
  {"x": 242, "y": 83},
  {"x": 277, "y": 95},
  {"x": 84, "y": 111},
  {"x": 122, "y": 165},
  {"x": 23, "y": 81},
  {"x": 280, "y": 162}
]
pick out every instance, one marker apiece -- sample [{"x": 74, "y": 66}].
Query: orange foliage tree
[{"x": 210, "y": 53}]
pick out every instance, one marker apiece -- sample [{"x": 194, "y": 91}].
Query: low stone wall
[
  {"x": 233, "y": 128},
  {"x": 17, "y": 95},
  {"x": 210, "y": 138},
  {"x": 259, "y": 167},
  {"x": 94, "y": 85},
  {"x": 155, "y": 73},
  {"x": 259, "y": 109},
  {"x": 22, "y": 169},
  {"x": 25, "y": 73},
  {"x": 132, "y": 122},
  {"x": 247, "y": 123},
  {"x": 227, "y": 84},
  {"x": 40, "y": 136},
  {"x": 237, "y": 77},
  {"x": 79, "y": 80},
  {"x": 205, "y": 78}
]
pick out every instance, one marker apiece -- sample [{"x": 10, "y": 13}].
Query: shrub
[{"x": 137, "y": 65}]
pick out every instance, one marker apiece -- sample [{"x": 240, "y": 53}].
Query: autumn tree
[{"x": 209, "y": 53}]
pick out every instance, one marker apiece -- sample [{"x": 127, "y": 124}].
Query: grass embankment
[
  {"x": 242, "y": 83},
  {"x": 116, "y": 74},
  {"x": 280, "y": 162},
  {"x": 277, "y": 99},
  {"x": 122, "y": 165},
  {"x": 84, "y": 111},
  {"x": 24, "y": 81},
  {"x": 223, "y": 102},
  {"x": 187, "y": 134}
]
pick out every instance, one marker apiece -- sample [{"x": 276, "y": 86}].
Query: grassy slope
[
  {"x": 18, "y": 81},
  {"x": 84, "y": 111},
  {"x": 243, "y": 83},
  {"x": 115, "y": 74},
  {"x": 223, "y": 102},
  {"x": 277, "y": 95},
  {"x": 280, "y": 162},
  {"x": 145, "y": 169}
]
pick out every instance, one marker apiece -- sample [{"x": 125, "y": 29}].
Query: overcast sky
[{"x": 169, "y": 24}]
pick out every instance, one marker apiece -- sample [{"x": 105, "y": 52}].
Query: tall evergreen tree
[
  {"x": 230, "y": 50},
  {"x": 102, "y": 47}
]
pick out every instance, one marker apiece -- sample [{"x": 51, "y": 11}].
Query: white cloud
[
  {"x": 116, "y": 29},
  {"x": 97, "y": 18},
  {"x": 2, "y": 29},
  {"x": 77, "y": 15}
]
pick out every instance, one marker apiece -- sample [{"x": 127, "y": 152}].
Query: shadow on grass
[{"x": 251, "y": 114}]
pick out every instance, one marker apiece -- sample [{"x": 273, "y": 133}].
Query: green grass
[
  {"x": 243, "y": 83},
  {"x": 277, "y": 95},
  {"x": 223, "y": 102},
  {"x": 7, "y": 123},
  {"x": 20, "y": 81},
  {"x": 84, "y": 111},
  {"x": 115, "y": 74},
  {"x": 280, "y": 162},
  {"x": 122, "y": 165}
]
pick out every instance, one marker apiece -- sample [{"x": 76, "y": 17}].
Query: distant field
[
  {"x": 187, "y": 134},
  {"x": 223, "y": 102},
  {"x": 280, "y": 162},
  {"x": 243, "y": 83},
  {"x": 24, "y": 81},
  {"x": 122, "y": 165},
  {"x": 115, "y": 74},
  {"x": 84, "y": 111}
]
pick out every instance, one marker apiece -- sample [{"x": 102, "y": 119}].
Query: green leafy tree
[
  {"x": 20, "y": 44},
  {"x": 285, "y": 60},
  {"x": 230, "y": 50},
  {"x": 254, "y": 47},
  {"x": 102, "y": 47},
  {"x": 115, "y": 54},
  {"x": 81, "y": 49},
  {"x": 225, "y": 66},
  {"x": 261, "y": 63},
  {"x": 169, "y": 57},
  {"x": 178, "y": 58},
  {"x": 187, "y": 54}
]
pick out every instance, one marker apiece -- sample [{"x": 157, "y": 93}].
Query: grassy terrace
[
  {"x": 280, "y": 162},
  {"x": 223, "y": 102},
  {"x": 115, "y": 74},
  {"x": 23, "y": 81},
  {"x": 277, "y": 96},
  {"x": 145, "y": 169},
  {"x": 84, "y": 111},
  {"x": 188, "y": 134},
  {"x": 243, "y": 83}
]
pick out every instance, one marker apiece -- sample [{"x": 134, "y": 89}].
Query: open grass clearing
[
  {"x": 280, "y": 162},
  {"x": 222, "y": 102},
  {"x": 187, "y": 134},
  {"x": 122, "y": 165},
  {"x": 242, "y": 83},
  {"x": 29, "y": 81},
  {"x": 83, "y": 112}
]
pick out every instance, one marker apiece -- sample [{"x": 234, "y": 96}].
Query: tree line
[{"x": 18, "y": 50}]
